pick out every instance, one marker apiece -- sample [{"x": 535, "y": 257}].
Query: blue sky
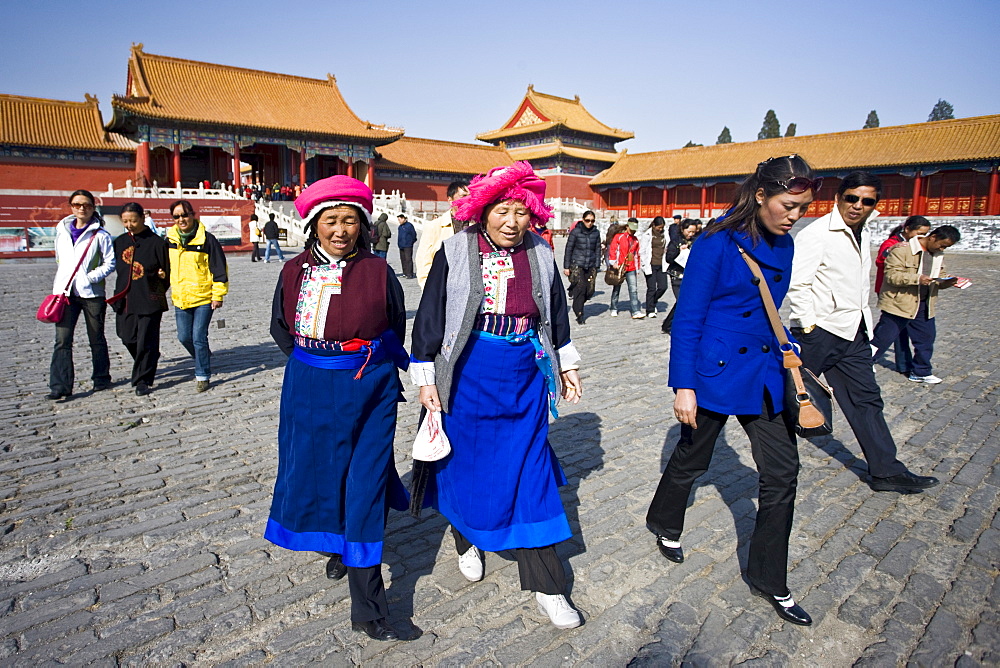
[{"x": 667, "y": 71}]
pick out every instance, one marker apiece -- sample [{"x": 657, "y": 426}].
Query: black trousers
[
  {"x": 255, "y": 253},
  {"x": 582, "y": 283},
  {"x": 772, "y": 443},
  {"x": 367, "y": 593},
  {"x": 847, "y": 366},
  {"x": 140, "y": 334},
  {"x": 61, "y": 374},
  {"x": 406, "y": 260},
  {"x": 540, "y": 568},
  {"x": 668, "y": 322},
  {"x": 656, "y": 287},
  {"x": 921, "y": 330}
]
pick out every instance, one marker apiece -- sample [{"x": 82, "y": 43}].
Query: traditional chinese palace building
[
  {"x": 562, "y": 141},
  {"x": 939, "y": 168},
  {"x": 50, "y": 144},
  {"x": 197, "y": 121},
  {"x": 423, "y": 168}
]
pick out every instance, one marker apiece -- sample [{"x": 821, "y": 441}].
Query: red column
[
  {"x": 704, "y": 200},
  {"x": 236, "y": 165},
  {"x": 629, "y": 204},
  {"x": 302, "y": 168},
  {"x": 993, "y": 198},
  {"x": 350, "y": 167},
  {"x": 370, "y": 176},
  {"x": 663, "y": 204},
  {"x": 916, "y": 208},
  {"x": 142, "y": 165},
  {"x": 177, "y": 163}
]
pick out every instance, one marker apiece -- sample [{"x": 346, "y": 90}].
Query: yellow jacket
[{"x": 198, "y": 271}]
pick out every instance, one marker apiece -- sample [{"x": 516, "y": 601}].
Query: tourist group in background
[{"x": 492, "y": 355}]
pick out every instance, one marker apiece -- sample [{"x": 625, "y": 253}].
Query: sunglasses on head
[
  {"x": 853, "y": 199},
  {"x": 799, "y": 184}
]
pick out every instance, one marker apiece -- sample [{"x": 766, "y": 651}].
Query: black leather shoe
[
  {"x": 674, "y": 554},
  {"x": 904, "y": 483},
  {"x": 580, "y": 320},
  {"x": 377, "y": 629},
  {"x": 142, "y": 390},
  {"x": 793, "y": 613},
  {"x": 335, "y": 568},
  {"x": 100, "y": 387},
  {"x": 56, "y": 396}
]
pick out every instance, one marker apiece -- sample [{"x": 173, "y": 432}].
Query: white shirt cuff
[
  {"x": 569, "y": 358},
  {"x": 422, "y": 373}
]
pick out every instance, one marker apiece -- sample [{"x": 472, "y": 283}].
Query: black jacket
[
  {"x": 583, "y": 248},
  {"x": 271, "y": 230}
]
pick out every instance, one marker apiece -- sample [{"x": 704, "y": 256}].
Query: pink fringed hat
[
  {"x": 517, "y": 182},
  {"x": 333, "y": 191}
]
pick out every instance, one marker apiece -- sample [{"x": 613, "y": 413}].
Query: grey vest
[{"x": 465, "y": 295}]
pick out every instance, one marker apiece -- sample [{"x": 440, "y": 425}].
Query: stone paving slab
[{"x": 130, "y": 528}]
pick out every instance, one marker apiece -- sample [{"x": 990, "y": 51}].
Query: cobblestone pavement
[{"x": 131, "y": 527}]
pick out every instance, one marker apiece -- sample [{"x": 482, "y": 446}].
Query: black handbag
[{"x": 808, "y": 400}]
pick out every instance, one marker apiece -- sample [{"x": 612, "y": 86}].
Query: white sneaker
[
  {"x": 930, "y": 380},
  {"x": 471, "y": 564},
  {"x": 614, "y": 313},
  {"x": 638, "y": 316},
  {"x": 560, "y": 612},
  {"x": 652, "y": 315}
]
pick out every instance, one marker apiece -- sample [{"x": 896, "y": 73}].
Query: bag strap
[{"x": 78, "y": 264}]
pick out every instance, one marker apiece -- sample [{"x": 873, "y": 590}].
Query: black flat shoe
[
  {"x": 100, "y": 387},
  {"x": 56, "y": 396},
  {"x": 335, "y": 568},
  {"x": 377, "y": 629},
  {"x": 904, "y": 483},
  {"x": 792, "y": 613},
  {"x": 142, "y": 390},
  {"x": 674, "y": 554}
]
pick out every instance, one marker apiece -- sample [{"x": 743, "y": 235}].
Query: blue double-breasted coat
[{"x": 722, "y": 345}]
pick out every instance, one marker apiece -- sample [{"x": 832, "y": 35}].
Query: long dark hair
[
  {"x": 911, "y": 223},
  {"x": 364, "y": 234},
  {"x": 742, "y": 216}
]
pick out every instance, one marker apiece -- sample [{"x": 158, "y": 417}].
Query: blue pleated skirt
[
  {"x": 499, "y": 486},
  {"x": 335, "y": 461}
]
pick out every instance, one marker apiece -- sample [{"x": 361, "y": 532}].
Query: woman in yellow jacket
[{"x": 199, "y": 280}]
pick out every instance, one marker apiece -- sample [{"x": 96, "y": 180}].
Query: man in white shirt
[
  {"x": 436, "y": 231},
  {"x": 830, "y": 317}
]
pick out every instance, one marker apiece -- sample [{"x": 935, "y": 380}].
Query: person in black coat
[
  {"x": 581, "y": 261},
  {"x": 140, "y": 298}
]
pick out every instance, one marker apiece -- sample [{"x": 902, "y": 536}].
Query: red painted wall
[
  {"x": 62, "y": 177},
  {"x": 415, "y": 190},
  {"x": 568, "y": 185}
]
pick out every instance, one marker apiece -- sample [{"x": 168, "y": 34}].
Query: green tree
[
  {"x": 872, "y": 120},
  {"x": 725, "y": 137},
  {"x": 771, "y": 128},
  {"x": 790, "y": 132},
  {"x": 942, "y": 111},
  {"x": 691, "y": 143}
]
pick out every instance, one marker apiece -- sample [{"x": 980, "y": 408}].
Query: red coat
[
  {"x": 883, "y": 250},
  {"x": 621, "y": 246}
]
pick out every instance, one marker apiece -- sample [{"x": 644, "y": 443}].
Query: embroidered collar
[
  {"x": 322, "y": 258},
  {"x": 496, "y": 250}
]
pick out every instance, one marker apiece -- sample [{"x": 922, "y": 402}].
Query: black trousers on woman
[
  {"x": 540, "y": 568},
  {"x": 367, "y": 593},
  {"x": 772, "y": 443},
  {"x": 140, "y": 334}
]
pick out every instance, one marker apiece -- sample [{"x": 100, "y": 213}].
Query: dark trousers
[
  {"x": 656, "y": 286},
  {"x": 255, "y": 253},
  {"x": 540, "y": 568},
  {"x": 367, "y": 593},
  {"x": 921, "y": 330},
  {"x": 668, "y": 322},
  {"x": 61, "y": 369},
  {"x": 847, "y": 366},
  {"x": 406, "y": 260},
  {"x": 140, "y": 334},
  {"x": 772, "y": 443},
  {"x": 582, "y": 283}
]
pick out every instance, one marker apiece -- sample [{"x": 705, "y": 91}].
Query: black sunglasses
[
  {"x": 799, "y": 184},
  {"x": 866, "y": 201}
]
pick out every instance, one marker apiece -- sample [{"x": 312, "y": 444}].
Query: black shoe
[
  {"x": 793, "y": 613},
  {"x": 377, "y": 629},
  {"x": 904, "y": 483},
  {"x": 100, "y": 387},
  {"x": 56, "y": 396},
  {"x": 335, "y": 568},
  {"x": 580, "y": 320},
  {"x": 674, "y": 554},
  {"x": 142, "y": 389}
]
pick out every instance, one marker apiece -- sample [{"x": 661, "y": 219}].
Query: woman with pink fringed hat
[{"x": 492, "y": 352}]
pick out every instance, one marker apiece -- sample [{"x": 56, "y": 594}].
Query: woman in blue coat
[{"x": 725, "y": 360}]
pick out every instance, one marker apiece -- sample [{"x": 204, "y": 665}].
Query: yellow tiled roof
[
  {"x": 558, "y": 148},
  {"x": 556, "y": 111},
  {"x": 433, "y": 155},
  {"x": 188, "y": 90},
  {"x": 33, "y": 121},
  {"x": 957, "y": 140}
]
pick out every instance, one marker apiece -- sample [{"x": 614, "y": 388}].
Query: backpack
[{"x": 375, "y": 235}]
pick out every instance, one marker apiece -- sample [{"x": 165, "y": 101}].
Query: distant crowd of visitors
[{"x": 492, "y": 354}]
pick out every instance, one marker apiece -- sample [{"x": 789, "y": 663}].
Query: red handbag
[{"x": 54, "y": 306}]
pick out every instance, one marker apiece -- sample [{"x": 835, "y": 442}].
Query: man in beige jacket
[
  {"x": 436, "y": 231},
  {"x": 914, "y": 272}
]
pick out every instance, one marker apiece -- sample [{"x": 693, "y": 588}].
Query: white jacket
[
  {"x": 831, "y": 277},
  {"x": 100, "y": 260}
]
